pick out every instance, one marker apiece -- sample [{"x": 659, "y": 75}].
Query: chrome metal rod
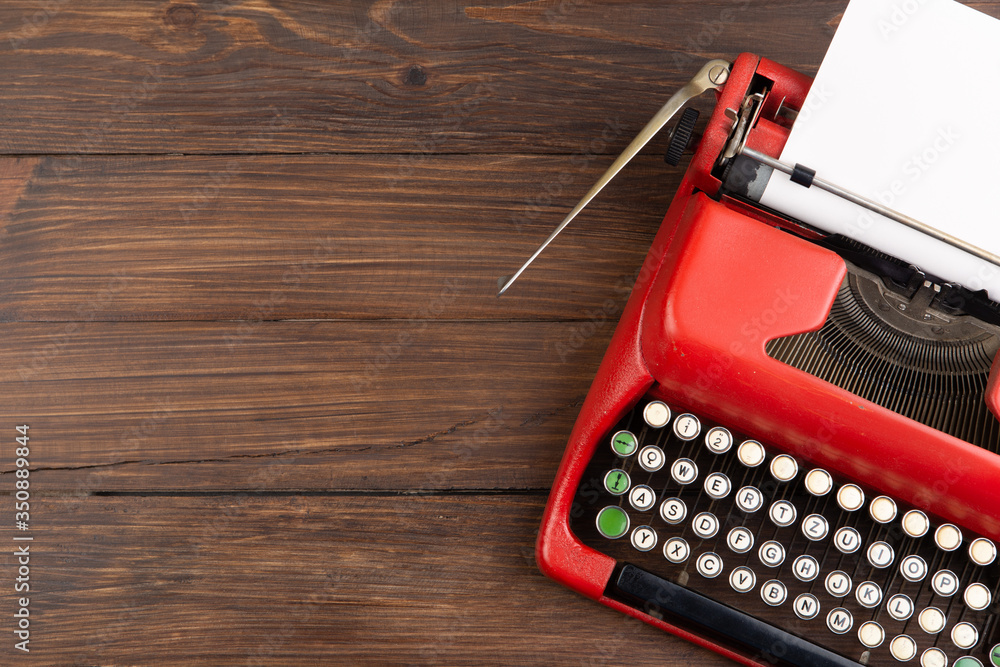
[
  {"x": 712, "y": 75},
  {"x": 876, "y": 207}
]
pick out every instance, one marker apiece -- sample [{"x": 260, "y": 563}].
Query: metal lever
[{"x": 711, "y": 76}]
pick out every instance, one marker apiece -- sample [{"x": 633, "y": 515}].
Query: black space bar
[{"x": 771, "y": 644}]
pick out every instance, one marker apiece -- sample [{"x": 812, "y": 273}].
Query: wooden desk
[{"x": 249, "y": 252}]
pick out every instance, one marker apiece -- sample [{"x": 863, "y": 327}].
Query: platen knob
[{"x": 680, "y": 136}]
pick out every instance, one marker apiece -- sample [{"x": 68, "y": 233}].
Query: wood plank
[
  {"x": 295, "y": 405},
  {"x": 249, "y": 580},
  {"x": 222, "y": 76},
  {"x": 252, "y": 238}
]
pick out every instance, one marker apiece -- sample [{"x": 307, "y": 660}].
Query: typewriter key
[
  {"x": 676, "y": 550},
  {"x": 673, "y": 510},
  {"x": 850, "y": 497},
  {"x": 968, "y": 661},
  {"x": 624, "y": 443},
  {"x": 641, "y": 498},
  {"x": 931, "y": 620},
  {"x": 805, "y": 568},
  {"x": 806, "y": 606},
  {"x": 948, "y": 537},
  {"x": 771, "y": 553},
  {"x": 903, "y": 648},
  {"x": 616, "y": 482},
  {"x": 656, "y": 414},
  {"x": 883, "y": 509},
  {"x": 687, "y": 427},
  {"x": 742, "y": 579},
  {"x": 717, "y": 485},
  {"x": 982, "y": 551},
  {"x": 871, "y": 634},
  {"x": 612, "y": 522},
  {"x": 838, "y": 584},
  {"x": 915, "y": 523},
  {"x": 900, "y": 607},
  {"x": 945, "y": 583},
  {"x": 815, "y": 527},
  {"x": 651, "y": 458},
  {"x": 782, "y": 513},
  {"x": 977, "y": 597},
  {"x": 684, "y": 471},
  {"x": 964, "y": 635},
  {"x": 913, "y": 568},
  {"x": 880, "y": 554},
  {"x": 868, "y": 594},
  {"x": 933, "y": 657},
  {"x": 644, "y": 538},
  {"x": 719, "y": 440},
  {"x": 818, "y": 482},
  {"x": 750, "y": 453},
  {"x": 749, "y": 499},
  {"x": 839, "y": 621},
  {"x": 709, "y": 565},
  {"x": 740, "y": 540},
  {"x": 784, "y": 468},
  {"x": 847, "y": 540},
  {"x": 705, "y": 525},
  {"x": 773, "y": 593}
]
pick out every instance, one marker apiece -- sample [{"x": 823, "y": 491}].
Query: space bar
[{"x": 689, "y": 608}]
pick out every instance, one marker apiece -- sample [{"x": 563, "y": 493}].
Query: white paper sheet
[{"x": 904, "y": 110}]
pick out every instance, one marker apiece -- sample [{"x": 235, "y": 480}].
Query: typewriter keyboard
[{"x": 842, "y": 569}]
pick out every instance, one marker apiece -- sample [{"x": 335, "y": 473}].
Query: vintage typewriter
[{"x": 790, "y": 451}]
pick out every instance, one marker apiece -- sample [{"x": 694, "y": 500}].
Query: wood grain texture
[
  {"x": 422, "y": 77},
  {"x": 306, "y": 237},
  {"x": 295, "y": 406},
  {"x": 248, "y": 258},
  {"x": 248, "y": 580}
]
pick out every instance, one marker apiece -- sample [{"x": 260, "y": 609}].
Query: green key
[
  {"x": 612, "y": 522},
  {"x": 969, "y": 661},
  {"x": 617, "y": 481},
  {"x": 995, "y": 655},
  {"x": 624, "y": 443}
]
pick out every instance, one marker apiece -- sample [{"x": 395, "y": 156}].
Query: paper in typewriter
[{"x": 904, "y": 111}]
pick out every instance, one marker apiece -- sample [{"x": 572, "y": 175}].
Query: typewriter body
[{"x": 789, "y": 452}]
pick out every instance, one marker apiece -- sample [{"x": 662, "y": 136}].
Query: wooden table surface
[{"x": 248, "y": 263}]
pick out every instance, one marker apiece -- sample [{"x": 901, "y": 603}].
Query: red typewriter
[{"x": 789, "y": 454}]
